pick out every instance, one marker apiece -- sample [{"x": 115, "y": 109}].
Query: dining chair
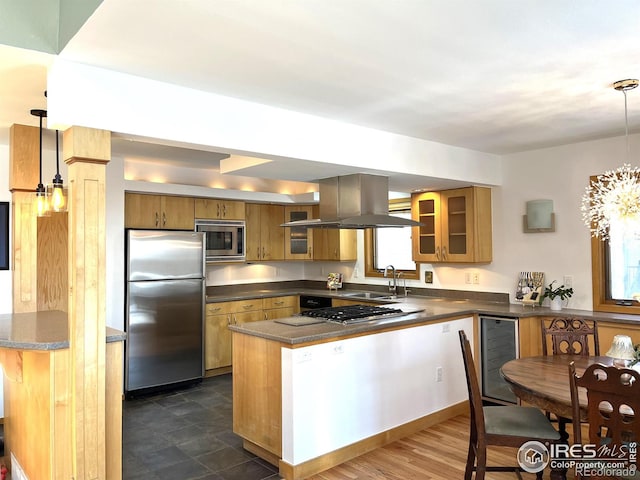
[
  {"x": 613, "y": 406},
  {"x": 569, "y": 336},
  {"x": 503, "y": 426}
]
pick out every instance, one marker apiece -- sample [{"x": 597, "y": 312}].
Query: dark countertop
[
  {"x": 41, "y": 331},
  {"x": 433, "y": 309}
]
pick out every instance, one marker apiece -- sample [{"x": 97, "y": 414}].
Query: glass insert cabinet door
[
  {"x": 447, "y": 224},
  {"x": 298, "y": 240}
]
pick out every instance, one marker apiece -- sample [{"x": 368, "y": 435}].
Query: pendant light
[
  {"x": 613, "y": 198},
  {"x": 41, "y": 194},
  {"x": 58, "y": 201}
]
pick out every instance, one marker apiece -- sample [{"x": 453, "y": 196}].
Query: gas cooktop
[{"x": 353, "y": 313}]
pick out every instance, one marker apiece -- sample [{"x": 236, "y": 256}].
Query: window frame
[
  {"x": 395, "y": 205},
  {"x": 599, "y": 276}
]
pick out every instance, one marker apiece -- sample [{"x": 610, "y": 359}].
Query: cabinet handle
[
  {"x": 279, "y": 302},
  {"x": 224, "y": 209},
  {"x": 218, "y": 210},
  {"x": 310, "y": 251},
  {"x": 444, "y": 253},
  {"x": 157, "y": 220},
  {"x": 266, "y": 317},
  {"x": 215, "y": 309},
  {"x": 263, "y": 254},
  {"x": 247, "y": 307},
  {"x": 258, "y": 255},
  {"x": 164, "y": 219},
  {"x": 437, "y": 253},
  {"x": 229, "y": 319},
  {"x": 335, "y": 252},
  {"x": 235, "y": 320}
]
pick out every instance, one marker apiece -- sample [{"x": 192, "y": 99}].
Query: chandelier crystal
[{"x": 614, "y": 197}]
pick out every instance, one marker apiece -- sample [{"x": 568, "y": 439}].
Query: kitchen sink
[{"x": 369, "y": 295}]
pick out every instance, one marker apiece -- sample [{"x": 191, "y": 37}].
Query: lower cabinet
[
  {"x": 217, "y": 336},
  {"x": 280, "y": 307}
]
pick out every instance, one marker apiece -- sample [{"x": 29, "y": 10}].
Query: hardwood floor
[{"x": 437, "y": 453}]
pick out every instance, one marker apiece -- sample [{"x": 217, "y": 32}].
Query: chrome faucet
[
  {"x": 404, "y": 283},
  {"x": 393, "y": 285}
]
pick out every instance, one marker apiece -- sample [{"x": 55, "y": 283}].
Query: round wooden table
[{"x": 544, "y": 381}]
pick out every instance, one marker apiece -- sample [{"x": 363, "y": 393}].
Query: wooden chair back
[
  {"x": 473, "y": 386},
  {"x": 569, "y": 336},
  {"x": 613, "y": 403}
]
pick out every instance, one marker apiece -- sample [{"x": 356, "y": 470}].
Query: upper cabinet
[
  {"x": 218, "y": 209},
  {"x": 265, "y": 236},
  {"x": 298, "y": 241},
  {"x": 457, "y": 226},
  {"x": 333, "y": 244},
  {"x": 158, "y": 211}
]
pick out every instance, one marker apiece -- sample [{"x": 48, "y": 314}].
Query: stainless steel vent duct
[{"x": 354, "y": 201}]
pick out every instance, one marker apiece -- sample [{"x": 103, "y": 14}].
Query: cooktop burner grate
[{"x": 353, "y": 313}]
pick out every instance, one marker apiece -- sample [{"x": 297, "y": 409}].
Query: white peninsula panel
[{"x": 338, "y": 393}]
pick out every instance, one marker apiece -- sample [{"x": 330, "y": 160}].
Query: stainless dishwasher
[{"x": 498, "y": 345}]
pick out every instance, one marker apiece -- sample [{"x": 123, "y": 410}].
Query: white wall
[
  {"x": 338, "y": 393},
  {"x": 559, "y": 173}
]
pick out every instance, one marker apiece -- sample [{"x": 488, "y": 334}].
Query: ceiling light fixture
[
  {"x": 42, "y": 202},
  {"x": 58, "y": 201},
  {"x": 613, "y": 198}
]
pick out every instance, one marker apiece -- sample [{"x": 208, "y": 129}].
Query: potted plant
[{"x": 556, "y": 295}]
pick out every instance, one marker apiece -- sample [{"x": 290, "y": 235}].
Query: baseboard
[{"x": 331, "y": 459}]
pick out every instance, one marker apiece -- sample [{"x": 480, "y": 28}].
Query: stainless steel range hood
[{"x": 354, "y": 201}]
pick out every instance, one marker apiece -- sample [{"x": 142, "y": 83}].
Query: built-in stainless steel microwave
[{"x": 224, "y": 240}]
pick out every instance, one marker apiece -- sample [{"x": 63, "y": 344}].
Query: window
[
  {"x": 615, "y": 266},
  {"x": 391, "y": 246}
]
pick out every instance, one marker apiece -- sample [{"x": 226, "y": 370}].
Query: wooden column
[
  {"x": 87, "y": 152},
  {"x": 23, "y": 179},
  {"x": 39, "y": 260}
]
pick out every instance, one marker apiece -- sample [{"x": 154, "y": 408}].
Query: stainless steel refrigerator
[{"x": 164, "y": 309}]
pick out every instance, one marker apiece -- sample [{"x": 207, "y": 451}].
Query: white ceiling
[{"x": 497, "y": 76}]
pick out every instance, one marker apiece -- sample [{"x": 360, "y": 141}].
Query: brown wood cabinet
[
  {"x": 298, "y": 241},
  {"x": 280, "y": 307},
  {"x": 265, "y": 236},
  {"x": 217, "y": 336},
  {"x": 219, "y": 209},
  {"x": 334, "y": 244},
  {"x": 457, "y": 226},
  {"x": 158, "y": 211}
]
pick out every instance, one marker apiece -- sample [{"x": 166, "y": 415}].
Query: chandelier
[{"x": 613, "y": 198}]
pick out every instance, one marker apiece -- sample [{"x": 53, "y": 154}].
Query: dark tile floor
[{"x": 187, "y": 434}]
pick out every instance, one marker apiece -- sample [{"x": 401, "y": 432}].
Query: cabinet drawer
[
  {"x": 280, "y": 302},
  {"x": 246, "y": 305},
  {"x": 219, "y": 308}
]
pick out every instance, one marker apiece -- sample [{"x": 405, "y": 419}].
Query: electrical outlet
[
  {"x": 467, "y": 278},
  {"x": 568, "y": 281},
  {"x": 475, "y": 278},
  {"x": 428, "y": 276},
  {"x": 445, "y": 328},
  {"x": 337, "y": 349},
  {"x": 438, "y": 374}
]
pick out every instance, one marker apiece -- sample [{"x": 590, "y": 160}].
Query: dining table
[{"x": 543, "y": 381}]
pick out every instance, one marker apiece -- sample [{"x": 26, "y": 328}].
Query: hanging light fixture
[
  {"x": 613, "y": 198},
  {"x": 57, "y": 193},
  {"x": 42, "y": 202}
]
